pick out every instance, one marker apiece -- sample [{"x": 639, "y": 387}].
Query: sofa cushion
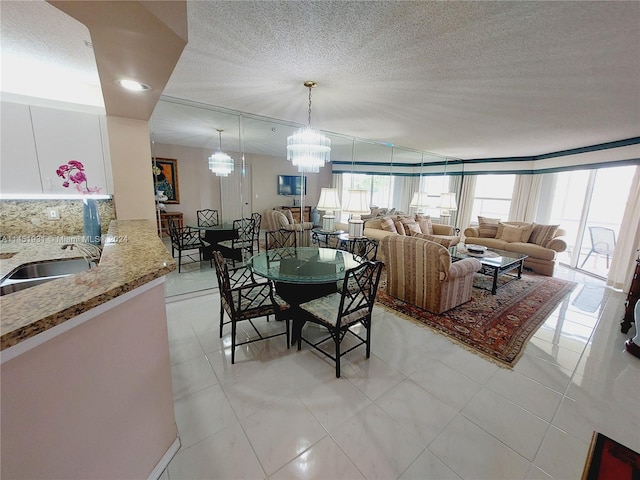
[
  {"x": 542, "y": 234},
  {"x": 488, "y": 227},
  {"x": 426, "y": 226},
  {"x": 514, "y": 233},
  {"x": 531, "y": 249},
  {"x": 387, "y": 224}
]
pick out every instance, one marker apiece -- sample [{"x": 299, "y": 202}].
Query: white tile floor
[{"x": 419, "y": 408}]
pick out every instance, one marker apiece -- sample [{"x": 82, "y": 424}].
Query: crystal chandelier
[
  {"x": 220, "y": 163},
  {"x": 307, "y": 148}
]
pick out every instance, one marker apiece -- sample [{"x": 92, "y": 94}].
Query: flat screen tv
[{"x": 291, "y": 185}]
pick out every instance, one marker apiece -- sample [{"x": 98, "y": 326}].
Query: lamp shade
[
  {"x": 420, "y": 199},
  {"x": 329, "y": 200},
  {"x": 448, "y": 201},
  {"x": 357, "y": 202}
]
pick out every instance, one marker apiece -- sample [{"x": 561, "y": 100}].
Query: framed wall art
[{"x": 165, "y": 178}]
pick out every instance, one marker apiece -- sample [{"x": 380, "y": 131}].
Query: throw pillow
[
  {"x": 387, "y": 224},
  {"x": 543, "y": 234},
  {"x": 289, "y": 215},
  {"x": 399, "y": 227},
  {"x": 488, "y": 227},
  {"x": 514, "y": 233},
  {"x": 409, "y": 225},
  {"x": 425, "y": 224}
]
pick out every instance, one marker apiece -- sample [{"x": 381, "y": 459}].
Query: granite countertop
[{"x": 133, "y": 255}]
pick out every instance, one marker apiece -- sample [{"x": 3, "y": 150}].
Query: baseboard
[{"x": 164, "y": 461}]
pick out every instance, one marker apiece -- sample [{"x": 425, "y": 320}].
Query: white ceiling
[{"x": 460, "y": 79}]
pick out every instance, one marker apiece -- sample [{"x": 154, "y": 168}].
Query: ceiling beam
[{"x": 138, "y": 40}]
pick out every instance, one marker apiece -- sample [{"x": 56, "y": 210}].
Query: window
[
  {"x": 493, "y": 196},
  {"x": 379, "y": 187},
  {"x": 434, "y": 185}
]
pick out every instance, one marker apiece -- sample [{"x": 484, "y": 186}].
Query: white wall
[{"x": 199, "y": 188}]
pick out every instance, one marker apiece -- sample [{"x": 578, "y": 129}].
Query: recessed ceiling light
[{"x": 133, "y": 85}]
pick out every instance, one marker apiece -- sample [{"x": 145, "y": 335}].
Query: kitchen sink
[{"x": 34, "y": 274}]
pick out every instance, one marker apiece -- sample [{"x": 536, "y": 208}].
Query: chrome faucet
[{"x": 90, "y": 253}]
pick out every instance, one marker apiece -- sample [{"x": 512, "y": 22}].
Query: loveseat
[
  {"x": 541, "y": 243},
  {"x": 420, "y": 272},
  {"x": 406, "y": 225}
]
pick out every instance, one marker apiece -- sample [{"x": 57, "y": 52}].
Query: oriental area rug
[{"x": 496, "y": 326}]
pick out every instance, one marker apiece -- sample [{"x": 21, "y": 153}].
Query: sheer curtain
[
  {"x": 467, "y": 194},
  {"x": 410, "y": 185},
  {"x": 622, "y": 263},
  {"x": 336, "y": 180},
  {"x": 526, "y": 195},
  {"x": 455, "y": 183}
]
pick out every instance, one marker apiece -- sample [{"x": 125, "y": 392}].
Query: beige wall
[
  {"x": 130, "y": 148},
  {"x": 93, "y": 402},
  {"x": 199, "y": 188}
]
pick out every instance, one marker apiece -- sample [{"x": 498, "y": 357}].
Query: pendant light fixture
[
  {"x": 307, "y": 148},
  {"x": 220, "y": 163}
]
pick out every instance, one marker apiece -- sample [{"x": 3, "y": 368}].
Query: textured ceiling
[{"x": 461, "y": 79}]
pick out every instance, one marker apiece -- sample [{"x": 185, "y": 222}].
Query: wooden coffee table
[{"x": 494, "y": 263}]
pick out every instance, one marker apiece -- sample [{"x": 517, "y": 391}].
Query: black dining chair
[
  {"x": 257, "y": 218},
  {"x": 207, "y": 217},
  {"x": 280, "y": 244},
  {"x": 339, "y": 312},
  {"x": 248, "y": 301},
  {"x": 242, "y": 244},
  {"x": 184, "y": 239},
  {"x": 365, "y": 248}
]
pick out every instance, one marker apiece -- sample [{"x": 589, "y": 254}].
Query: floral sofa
[
  {"x": 541, "y": 243},
  {"x": 420, "y": 272}
]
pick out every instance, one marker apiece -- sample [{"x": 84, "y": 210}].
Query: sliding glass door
[{"x": 589, "y": 205}]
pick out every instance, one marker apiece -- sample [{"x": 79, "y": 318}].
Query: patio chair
[{"x": 603, "y": 242}]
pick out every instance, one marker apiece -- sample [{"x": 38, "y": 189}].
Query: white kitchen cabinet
[
  {"x": 62, "y": 135},
  {"x": 19, "y": 171}
]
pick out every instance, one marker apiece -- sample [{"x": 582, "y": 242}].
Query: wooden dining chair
[
  {"x": 248, "y": 301},
  {"x": 339, "y": 312}
]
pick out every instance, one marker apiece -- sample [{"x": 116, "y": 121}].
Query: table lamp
[
  {"x": 329, "y": 202},
  {"x": 446, "y": 205},
  {"x": 356, "y": 204},
  {"x": 419, "y": 200}
]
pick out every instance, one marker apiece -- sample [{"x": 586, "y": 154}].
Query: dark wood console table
[{"x": 164, "y": 222}]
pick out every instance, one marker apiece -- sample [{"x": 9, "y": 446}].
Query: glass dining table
[{"x": 302, "y": 274}]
